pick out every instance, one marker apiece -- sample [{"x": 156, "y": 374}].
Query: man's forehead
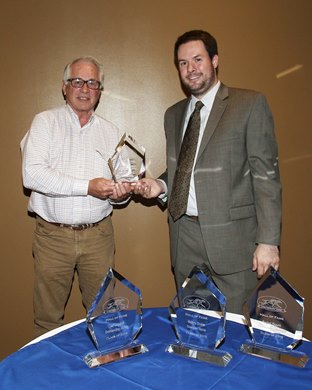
[{"x": 191, "y": 48}]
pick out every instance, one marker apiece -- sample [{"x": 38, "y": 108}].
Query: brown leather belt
[
  {"x": 83, "y": 226},
  {"x": 74, "y": 226}
]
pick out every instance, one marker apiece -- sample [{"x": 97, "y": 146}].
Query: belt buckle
[
  {"x": 84, "y": 226},
  {"x": 73, "y": 227}
]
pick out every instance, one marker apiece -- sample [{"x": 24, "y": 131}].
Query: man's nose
[
  {"x": 85, "y": 87},
  {"x": 191, "y": 66}
]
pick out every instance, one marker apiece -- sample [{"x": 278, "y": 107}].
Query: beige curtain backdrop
[{"x": 258, "y": 42}]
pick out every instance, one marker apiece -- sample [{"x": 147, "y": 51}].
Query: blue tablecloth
[{"x": 57, "y": 363}]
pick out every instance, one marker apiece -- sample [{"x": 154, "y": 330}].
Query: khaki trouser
[{"x": 58, "y": 253}]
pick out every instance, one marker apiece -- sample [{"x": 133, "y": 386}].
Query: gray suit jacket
[{"x": 236, "y": 177}]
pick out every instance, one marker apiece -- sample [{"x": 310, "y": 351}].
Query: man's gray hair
[{"x": 92, "y": 60}]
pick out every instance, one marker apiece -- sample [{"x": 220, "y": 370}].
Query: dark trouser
[{"x": 191, "y": 251}]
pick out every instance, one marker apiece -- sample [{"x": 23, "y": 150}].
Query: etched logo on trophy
[
  {"x": 195, "y": 302},
  {"x": 116, "y": 304},
  {"x": 272, "y": 304}
]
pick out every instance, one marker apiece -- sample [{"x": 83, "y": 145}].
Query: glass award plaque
[
  {"x": 274, "y": 316},
  {"x": 114, "y": 321},
  {"x": 128, "y": 161},
  {"x": 198, "y": 316}
]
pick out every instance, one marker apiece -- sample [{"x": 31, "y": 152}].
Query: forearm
[{"x": 50, "y": 182}]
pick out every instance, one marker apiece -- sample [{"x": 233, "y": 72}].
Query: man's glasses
[{"x": 79, "y": 83}]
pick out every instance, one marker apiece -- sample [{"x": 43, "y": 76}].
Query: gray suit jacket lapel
[{"x": 217, "y": 110}]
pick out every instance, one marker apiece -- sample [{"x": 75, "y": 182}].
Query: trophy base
[
  {"x": 293, "y": 358},
  {"x": 218, "y": 357},
  {"x": 98, "y": 358}
]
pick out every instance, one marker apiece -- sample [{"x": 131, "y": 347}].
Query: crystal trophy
[
  {"x": 274, "y": 316},
  {"x": 128, "y": 160},
  {"x": 114, "y": 321},
  {"x": 198, "y": 316}
]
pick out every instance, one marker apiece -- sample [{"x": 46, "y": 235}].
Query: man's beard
[{"x": 203, "y": 87}]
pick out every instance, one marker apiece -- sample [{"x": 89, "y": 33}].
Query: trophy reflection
[
  {"x": 114, "y": 321},
  {"x": 198, "y": 316},
  {"x": 128, "y": 160},
  {"x": 274, "y": 316}
]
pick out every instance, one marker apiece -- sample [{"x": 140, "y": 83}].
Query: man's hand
[
  {"x": 105, "y": 188},
  {"x": 148, "y": 188},
  {"x": 101, "y": 188},
  {"x": 265, "y": 256},
  {"x": 122, "y": 191}
]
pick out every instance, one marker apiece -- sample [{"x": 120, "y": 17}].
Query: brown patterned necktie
[{"x": 181, "y": 182}]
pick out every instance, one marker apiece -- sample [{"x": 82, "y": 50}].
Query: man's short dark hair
[{"x": 197, "y": 35}]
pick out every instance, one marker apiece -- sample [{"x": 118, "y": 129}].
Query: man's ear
[
  {"x": 215, "y": 61},
  {"x": 63, "y": 89}
]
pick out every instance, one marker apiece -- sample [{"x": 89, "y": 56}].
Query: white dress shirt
[
  {"x": 208, "y": 100},
  {"x": 59, "y": 159}
]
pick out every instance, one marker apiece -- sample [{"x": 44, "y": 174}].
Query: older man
[{"x": 65, "y": 166}]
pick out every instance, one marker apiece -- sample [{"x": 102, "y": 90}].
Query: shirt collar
[
  {"x": 207, "y": 99},
  {"x": 74, "y": 116}
]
